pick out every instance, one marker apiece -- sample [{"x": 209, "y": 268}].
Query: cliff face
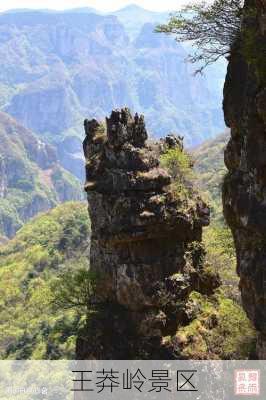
[
  {"x": 244, "y": 189},
  {"x": 145, "y": 247}
]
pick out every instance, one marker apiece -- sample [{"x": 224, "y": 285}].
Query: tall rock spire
[{"x": 145, "y": 247}]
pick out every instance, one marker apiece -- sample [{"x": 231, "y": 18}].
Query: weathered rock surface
[
  {"x": 244, "y": 189},
  {"x": 145, "y": 248}
]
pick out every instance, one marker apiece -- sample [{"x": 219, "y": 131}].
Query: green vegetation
[
  {"x": 74, "y": 291},
  {"x": 221, "y": 258},
  {"x": 219, "y": 327},
  {"x": 179, "y": 165},
  {"x": 220, "y": 330},
  {"x": 210, "y": 171},
  {"x": 254, "y": 46},
  {"x": 218, "y": 240},
  {"x": 46, "y": 289},
  {"x": 49, "y": 251},
  {"x": 211, "y": 28},
  {"x": 31, "y": 180}
]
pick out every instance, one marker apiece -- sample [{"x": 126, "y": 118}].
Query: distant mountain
[
  {"x": 210, "y": 168},
  {"x": 127, "y": 15},
  {"x": 31, "y": 179},
  {"x": 86, "y": 10},
  {"x": 50, "y": 11},
  {"x": 59, "y": 68},
  {"x": 134, "y": 17}
]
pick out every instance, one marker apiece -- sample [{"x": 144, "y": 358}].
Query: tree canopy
[{"x": 210, "y": 28}]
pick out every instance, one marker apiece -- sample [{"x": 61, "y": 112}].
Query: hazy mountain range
[
  {"x": 127, "y": 15},
  {"x": 59, "y": 67}
]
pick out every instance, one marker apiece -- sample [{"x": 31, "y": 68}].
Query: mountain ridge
[
  {"x": 70, "y": 66},
  {"x": 31, "y": 179}
]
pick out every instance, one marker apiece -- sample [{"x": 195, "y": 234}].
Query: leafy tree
[
  {"x": 37, "y": 320},
  {"x": 211, "y": 28},
  {"x": 179, "y": 164},
  {"x": 74, "y": 289}
]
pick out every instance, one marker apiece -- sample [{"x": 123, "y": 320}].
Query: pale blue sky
[{"x": 106, "y": 5}]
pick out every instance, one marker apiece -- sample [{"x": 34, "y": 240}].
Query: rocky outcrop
[
  {"x": 145, "y": 247},
  {"x": 244, "y": 189}
]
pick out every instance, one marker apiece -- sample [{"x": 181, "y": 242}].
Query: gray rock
[
  {"x": 244, "y": 194},
  {"x": 145, "y": 248}
]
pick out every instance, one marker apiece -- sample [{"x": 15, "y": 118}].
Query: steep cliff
[
  {"x": 244, "y": 189},
  {"x": 145, "y": 246}
]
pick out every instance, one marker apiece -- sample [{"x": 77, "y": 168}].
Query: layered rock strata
[{"x": 145, "y": 246}]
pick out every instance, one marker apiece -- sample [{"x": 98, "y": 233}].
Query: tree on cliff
[
  {"x": 211, "y": 29},
  {"x": 74, "y": 290}
]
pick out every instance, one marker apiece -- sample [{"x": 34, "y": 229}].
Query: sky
[{"x": 104, "y": 5}]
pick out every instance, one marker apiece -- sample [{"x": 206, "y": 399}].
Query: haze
[{"x": 104, "y": 5}]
